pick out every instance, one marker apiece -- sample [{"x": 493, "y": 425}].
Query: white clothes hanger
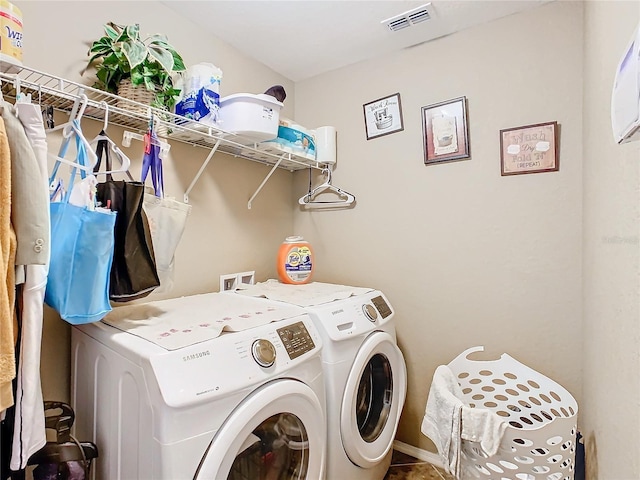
[
  {"x": 16, "y": 85},
  {"x": 71, "y": 163},
  {"x": 72, "y": 116},
  {"x": 68, "y": 130},
  {"x": 125, "y": 162},
  {"x": 344, "y": 198},
  {"x": 67, "y": 138},
  {"x": 20, "y": 97}
]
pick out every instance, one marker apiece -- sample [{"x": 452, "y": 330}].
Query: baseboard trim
[{"x": 420, "y": 454}]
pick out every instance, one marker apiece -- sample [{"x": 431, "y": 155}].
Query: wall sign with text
[
  {"x": 383, "y": 116},
  {"x": 529, "y": 149}
]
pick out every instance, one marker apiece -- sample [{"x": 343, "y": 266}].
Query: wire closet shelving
[{"x": 66, "y": 96}]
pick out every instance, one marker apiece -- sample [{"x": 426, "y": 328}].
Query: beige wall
[
  {"x": 466, "y": 257},
  {"x": 222, "y": 235},
  {"x": 611, "y": 256}
]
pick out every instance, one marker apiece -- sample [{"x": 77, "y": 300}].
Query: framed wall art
[
  {"x": 383, "y": 116},
  {"x": 529, "y": 149},
  {"x": 445, "y": 131}
]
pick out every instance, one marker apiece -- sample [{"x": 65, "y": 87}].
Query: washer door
[
  {"x": 279, "y": 431},
  {"x": 373, "y": 400}
]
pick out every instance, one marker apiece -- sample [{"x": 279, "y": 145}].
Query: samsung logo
[
  {"x": 336, "y": 312},
  {"x": 195, "y": 356}
]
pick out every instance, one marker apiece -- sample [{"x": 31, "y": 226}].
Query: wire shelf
[{"x": 65, "y": 95}]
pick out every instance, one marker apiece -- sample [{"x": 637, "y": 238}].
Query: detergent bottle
[{"x": 295, "y": 261}]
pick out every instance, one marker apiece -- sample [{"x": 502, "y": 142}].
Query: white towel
[
  {"x": 179, "y": 322},
  {"x": 448, "y": 420},
  {"x": 442, "y": 421},
  {"x": 483, "y": 426}
]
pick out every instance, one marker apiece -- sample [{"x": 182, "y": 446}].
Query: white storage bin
[
  {"x": 254, "y": 118},
  {"x": 540, "y": 441}
]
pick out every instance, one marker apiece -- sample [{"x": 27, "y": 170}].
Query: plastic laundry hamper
[{"x": 540, "y": 441}]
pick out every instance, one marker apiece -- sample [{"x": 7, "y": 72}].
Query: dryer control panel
[
  {"x": 382, "y": 306},
  {"x": 353, "y": 316},
  {"x": 296, "y": 339}
]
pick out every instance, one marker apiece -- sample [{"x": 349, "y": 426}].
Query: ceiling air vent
[{"x": 409, "y": 18}]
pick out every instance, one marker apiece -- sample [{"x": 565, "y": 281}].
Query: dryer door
[
  {"x": 279, "y": 431},
  {"x": 373, "y": 400}
]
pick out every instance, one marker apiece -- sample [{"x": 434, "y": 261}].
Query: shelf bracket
[
  {"x": 199, "y": 174},
  {"x": 273, "y": 169}
]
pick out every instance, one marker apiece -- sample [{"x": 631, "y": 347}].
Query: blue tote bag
[{"x": 82, "y": 243}]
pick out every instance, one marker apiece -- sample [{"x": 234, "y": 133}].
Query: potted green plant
[{"x": 131, "y": 63}]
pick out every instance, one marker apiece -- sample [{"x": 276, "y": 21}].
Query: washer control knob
[
  {"x": 370, "y": 311},
  {"x": 264, "y": 353},
  {"x": 287, "y": 335}
]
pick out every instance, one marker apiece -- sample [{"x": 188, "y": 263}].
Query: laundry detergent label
[
  {"x": 298, "y": 264},
  {"x": 10, "y": 33}
]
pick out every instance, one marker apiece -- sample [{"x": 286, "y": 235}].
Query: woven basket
[{"x": 140, "y": 94}]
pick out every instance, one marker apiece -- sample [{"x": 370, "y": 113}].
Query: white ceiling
[{"x": 303, "y": 38}]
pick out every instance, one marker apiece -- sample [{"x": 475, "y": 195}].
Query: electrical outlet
[
  {"x": 246, "y": 278},
  {"x": 228, "y": 282},
  {"x": 231, "y": 281}
]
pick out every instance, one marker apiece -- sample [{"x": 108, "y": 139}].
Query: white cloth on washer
[
  {"x": 306, "y": 295},
  {"x": 184, "y": 321}
]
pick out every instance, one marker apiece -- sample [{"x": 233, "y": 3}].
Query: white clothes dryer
[
  {"x": 244, "y": 405},
  {"x": 364, "y": 370}
]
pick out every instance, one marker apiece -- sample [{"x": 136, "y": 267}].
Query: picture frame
[
  {"x": 529, "y": 149},
  {"x": 383, "y": 116},
  {"x": 445, "y": 131}
]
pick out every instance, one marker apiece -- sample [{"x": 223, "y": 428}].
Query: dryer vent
[{"x": 409, "y": 18}]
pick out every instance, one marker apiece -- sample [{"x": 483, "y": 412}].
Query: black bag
[{"x": 133, "y": 272}]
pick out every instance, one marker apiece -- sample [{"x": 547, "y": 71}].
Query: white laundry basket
[{"x": 540, "y": 441}]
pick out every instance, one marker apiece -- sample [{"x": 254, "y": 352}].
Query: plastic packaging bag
[{"x": 200, "y": 93}]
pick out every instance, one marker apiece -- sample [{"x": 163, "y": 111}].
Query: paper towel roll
[{"x": 326, "y": 145}]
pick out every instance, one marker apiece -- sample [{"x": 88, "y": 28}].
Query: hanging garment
[
  {"x": 167, "y": 221},
  {"x": 28, "y": 208},
  {"x": 7, "y": 282},
  {"x": 29, "y": 433},
  {"x": 81, "y": 251},
  {"x": 133, "y": 271},
  {"x": 167, "y": 217},
  {"x": 28, "y": 204}
]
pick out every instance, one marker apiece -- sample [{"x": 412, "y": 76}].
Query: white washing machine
[
  {"x": 244, "y": 405},
  {"x": 364, "y": 370}
]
